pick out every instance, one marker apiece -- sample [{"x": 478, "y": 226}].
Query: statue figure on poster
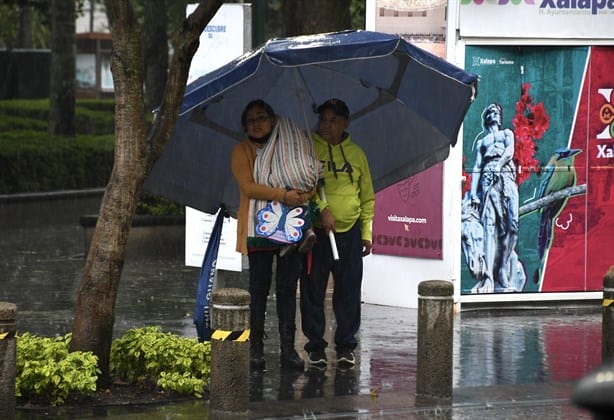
[{"x": 493, "y": 201}]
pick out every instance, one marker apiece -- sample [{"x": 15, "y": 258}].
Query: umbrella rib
[
  {"x": 200, "y": 118},
  {"x": 298, "y": 75}
]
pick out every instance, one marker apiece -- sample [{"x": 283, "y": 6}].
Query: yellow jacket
[{"x": 347, "y": 185}]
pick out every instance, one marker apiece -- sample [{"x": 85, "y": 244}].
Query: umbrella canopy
[{"x": 406, "y": 108}]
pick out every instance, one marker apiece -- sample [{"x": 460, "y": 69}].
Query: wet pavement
[
  {"x": 512, "y": 364},
  {"x": 520, "y": 363}
]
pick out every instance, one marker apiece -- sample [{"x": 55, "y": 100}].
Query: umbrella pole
[{"x": 331, "y": 234}]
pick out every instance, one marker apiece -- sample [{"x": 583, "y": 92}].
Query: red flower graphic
[
  {"x": 467, "y": 179},
  {"x": 530, "y": 123}
]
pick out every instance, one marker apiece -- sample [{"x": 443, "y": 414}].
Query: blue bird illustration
[{"x": 559, "y": 173}]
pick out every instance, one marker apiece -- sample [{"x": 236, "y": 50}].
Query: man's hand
[
  {"x": 366, "y": 247},
  {"x": 328, "y": 221}
]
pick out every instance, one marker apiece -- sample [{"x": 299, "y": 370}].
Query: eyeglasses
[{"x": 259, "y": 119}]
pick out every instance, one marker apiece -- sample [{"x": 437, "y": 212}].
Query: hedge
[{"x": 31, "y": 160}]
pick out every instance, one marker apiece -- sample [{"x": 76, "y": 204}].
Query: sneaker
[
  {"x": 317, "y": 357},
  {"x": 307, "y": 241},
  {"x": 345, "y": 358}
]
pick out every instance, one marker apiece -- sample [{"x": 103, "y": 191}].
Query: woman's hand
[{"x": 293, "y": 198}]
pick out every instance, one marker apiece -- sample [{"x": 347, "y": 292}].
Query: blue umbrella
[
  {"x": 202, "y": 314},
  {"x": 406, "y": 108}
]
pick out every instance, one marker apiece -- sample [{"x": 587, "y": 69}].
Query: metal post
[
  {"x": 229, "y": 389},
  {"x": 607, "y": 323},
  {"x": 8, "y": 354},
  {"x": 435, "y": 337}
]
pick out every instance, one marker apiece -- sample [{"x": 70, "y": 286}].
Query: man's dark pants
[{"x": 347, "y": 276}]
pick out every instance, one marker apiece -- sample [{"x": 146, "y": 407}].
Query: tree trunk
[
  {"x": 95, "y": 305},
  {"x": 155, "y": 43},
  {"x": 304, "y": 17},
  {"x": 135, "y": 154},
  {"x": 63, "y": 68},
  {"x": 24, "y": 34}
]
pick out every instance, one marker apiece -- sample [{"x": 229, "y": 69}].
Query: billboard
[
  {"x": 554, "y": 19},
  {"x": 538, "y": 158}
]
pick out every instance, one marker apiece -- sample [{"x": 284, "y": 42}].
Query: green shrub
[
  {"x": 47, "y": 371},
  {"x": 106, "y": 105},
  {"x": 93, "y": 117},
  {"x": 12, "y": 123},
  {"x": 31, "y": 108},
  {"x": 178, "y": 364},
  {"x": 183, "y": 383},
  {"x": 94, "y": 122},
  {"x": 32, "y": 162},
  {"x": 156, "y": 205}
]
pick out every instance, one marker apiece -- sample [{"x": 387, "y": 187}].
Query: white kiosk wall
[{"x": 393, "y": 280}]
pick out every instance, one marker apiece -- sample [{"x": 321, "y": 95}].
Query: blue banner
[{"x": 202, "y": 313}]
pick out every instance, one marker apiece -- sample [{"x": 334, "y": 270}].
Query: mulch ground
[{"x": 118, "y": 394}]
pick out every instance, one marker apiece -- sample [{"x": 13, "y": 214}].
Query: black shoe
[
  {"x": 256, "y": 360},
  {"x": 289, "y": 359},
  {"x": 345, "y": 358},
  {"x": 256, "y": 353},
  {"x": 317, "y": 358}
]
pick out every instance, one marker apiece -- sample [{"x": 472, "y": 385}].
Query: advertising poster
[
  {"x": 408, "y": 216},
  {"x": 538, "y": 159}
]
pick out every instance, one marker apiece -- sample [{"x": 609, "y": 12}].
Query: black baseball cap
[{"x": 337, "y": 106}]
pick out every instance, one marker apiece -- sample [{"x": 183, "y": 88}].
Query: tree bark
[
  {"x": 135, "y": 154},
  {"x": 155, "y": 43},
  {"x": 63, "y": 71},
  {"x": 24, "y": 32}
]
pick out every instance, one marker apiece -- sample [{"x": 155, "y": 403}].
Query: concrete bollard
[
  {"x": 8, "y": 355},
  {"x": 435, "y": 338},
  {"x": 229, "y": 388},
  {"x": 607, "y": 323}
]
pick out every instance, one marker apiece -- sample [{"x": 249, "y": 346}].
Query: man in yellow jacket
[{"x": 346, "y": 209}]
